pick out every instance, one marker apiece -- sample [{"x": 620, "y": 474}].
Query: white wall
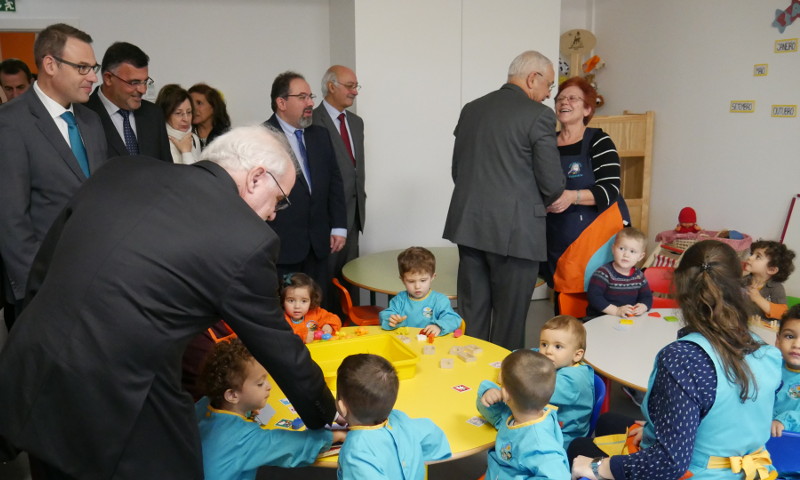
[
  {"x": 237, "y": 46},
  {"x": 420, "y": 61},
  {"x": 686, "y": 60}
]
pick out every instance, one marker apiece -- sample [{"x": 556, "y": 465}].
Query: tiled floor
[{"x": 467, "y": 468}]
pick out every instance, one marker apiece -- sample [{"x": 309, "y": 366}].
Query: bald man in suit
[{"x": 41, "y": 169}]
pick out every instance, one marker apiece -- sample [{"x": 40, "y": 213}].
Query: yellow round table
[{"x": 446, "y": 396}]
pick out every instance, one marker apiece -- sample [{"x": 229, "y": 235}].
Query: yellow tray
[{"x": 329, "y": 354}]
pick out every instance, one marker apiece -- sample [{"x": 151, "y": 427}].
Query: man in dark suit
[
  {"x": 315, "y": 225},
  {"x": 133, "y": 125},
  {"x": 44, "y": 159},
  {"x": 340, "y": 88},
  {"x": 146, "y": 256},
  {"x": 506, "y": 170}
]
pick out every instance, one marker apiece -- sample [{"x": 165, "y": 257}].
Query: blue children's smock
[
  {"x": 574, "y": 397},
  {"x": 433, "y": 308},
  {"x": 531, "y": 450}
]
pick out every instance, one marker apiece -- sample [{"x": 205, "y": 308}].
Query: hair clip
[
  {"x": 705, "y": 267},
  {"x": 287, "y": 279}
]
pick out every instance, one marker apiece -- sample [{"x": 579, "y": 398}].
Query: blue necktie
[
  {"x": 131, "y": 145},
  {"x": 302, "y": 147},
  {"x": 75, "y": 142}
]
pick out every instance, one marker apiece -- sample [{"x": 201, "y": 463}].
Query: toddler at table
[
  {"x": 619, "y": 288},
  {"x": 563, "y": 340},
  {"x": 419, "y": 306},
  {"x": 769, "y": 265},
  {"x": 234, "y": 444},
  {"x": 382, "y": 443},
  {"x": 529, "y": 440},
  {"x": 301, "y": 298},
  {"x": 787, "y": 398}
]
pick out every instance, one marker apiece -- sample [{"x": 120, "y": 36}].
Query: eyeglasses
[
  {"x": 303, "y": 96},
  {"x": 549, "y": 85},
  {"x": 284, "y": 202},
  {"x": 569, "y": 99},
  {"x": 135, "y": 83},
  {"x": 82, "y": 68},
  {"x": 349, "y": 86}
]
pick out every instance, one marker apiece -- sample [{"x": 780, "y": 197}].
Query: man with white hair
[
  {"x": 506, "y": 170},
  {"x": 145, "y": 256}
]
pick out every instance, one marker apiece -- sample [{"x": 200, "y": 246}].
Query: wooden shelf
[{"x": 632, "y": 133}]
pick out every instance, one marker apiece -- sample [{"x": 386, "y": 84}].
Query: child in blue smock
[
  {"x": 419, "y": 306},
  {"x": 382, "y": 443},
  {"x": 787, "y": 399},
  {"x": 234, "y": 444},
  {"x": 529, "y": 441},
  {"x": 563, "y": 340}
]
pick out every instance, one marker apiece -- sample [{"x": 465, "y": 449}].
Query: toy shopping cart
[{"x": 672, "y": 244}]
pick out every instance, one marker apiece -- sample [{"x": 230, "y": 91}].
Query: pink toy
[
  {"x": 318, "y": 335},
  {"x": 457, "y": 333}
]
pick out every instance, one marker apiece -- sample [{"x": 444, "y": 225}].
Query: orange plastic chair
[
  {"x": 574, "y": 304},
  {"x": 660, "y": 280},
  {"x": 358, "y": 315}
]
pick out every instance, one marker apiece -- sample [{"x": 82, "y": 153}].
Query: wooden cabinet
[{"x": 633, "y": 136}]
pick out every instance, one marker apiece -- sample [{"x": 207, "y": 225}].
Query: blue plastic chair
[
  {"x": 783, "y": 451},
  {"x": 599, "y": 397}
]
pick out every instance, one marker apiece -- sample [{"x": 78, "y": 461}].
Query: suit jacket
[
  {"x": 506, "y": 170},
  {"x": 151, "y": 130},
  {"x": 126, "y": 277},
  {"x": 39, "y": 176},
  {"x": 353, "y": 178},
  {"x": 306, "y": 225}
]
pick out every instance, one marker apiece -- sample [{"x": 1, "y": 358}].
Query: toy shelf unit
[{"x": 632, "y": 133}]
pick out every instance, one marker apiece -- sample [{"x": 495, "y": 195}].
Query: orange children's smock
[{"x": 314, "y": 320}]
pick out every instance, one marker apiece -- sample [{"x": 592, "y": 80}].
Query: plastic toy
[
  {"x": 318, "y": 335},
  {"x": 474, "y": 349},
  {"x": 626, "y": 321},
  {"x": 402, "y": 331},
  {"x": 687, "y": 221},
  {"x": 446, "y": 363},
  {"x": 404, "y": 338},
  {"x": 457, "y": 333},
  {"x": 455, "y": 349},
  {"x": 421, "y": 337},
  {"x": 428, "y": 350},
  {"x": 297, "y": 424},
  {"x": 431, "y": 337},
  {"x": 653, "y": 314},
  {"x": 466, "y": 356},
  {"x": 326, "y": 336},
  {"x": 361, "y": 331}
]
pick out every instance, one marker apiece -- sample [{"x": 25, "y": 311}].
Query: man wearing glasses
[
  {"x": 340, "y": 88},
  {"x": 49, "y": 145},
  {"x": 315, "y": 226},
  {"x": 133, "y": 125},
  {"x": 506, "y": 170}
]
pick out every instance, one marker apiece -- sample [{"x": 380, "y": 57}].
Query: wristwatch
[{"x": 595, "y": 465}]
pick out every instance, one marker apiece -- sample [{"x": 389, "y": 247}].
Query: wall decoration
[
  {"x": 784, "y": 18},
  {"x": 743, "y": 106},
  {"x": 760, "y": 70},
  {"x": 788, "y": 45},
  {"x": 784, "y": 111},
  {"x": 8, "y": 5}
]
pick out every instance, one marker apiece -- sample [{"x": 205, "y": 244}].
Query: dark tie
[
  {"x": 76, "y": 143},
  {"x": 131, "y": 145},
  {"x": 346, "y": 137},
  {"x": 302, "y": 147}
]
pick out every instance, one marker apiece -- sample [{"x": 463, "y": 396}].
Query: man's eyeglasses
[
  {"x": 569, "y": 99},
  {"x": 302, "y": 96},
  {"x": 135, "y": 83},
  {"x": 284, "y": 202},
  {"x": 349, "y": 86},
  {"x": 550, "y": 86},
  {"x": 82, "y": 68}
]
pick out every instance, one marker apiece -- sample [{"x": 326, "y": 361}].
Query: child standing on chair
[
  {"x": 563, "y": 340},
  {"x": 619, "y": 288},
  {"x": 529, "y": 441},
  {"x": 301, "y": 298},
  {"x": 382, "y": 443},
  {"x": 787, "y": 398},
  {"x": 768, "y": 266},
  {"x": 419, "y": 306},
  {"x": 234, "y": 444}
]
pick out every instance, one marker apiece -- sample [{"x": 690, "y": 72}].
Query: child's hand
[
  {"x": 339, "y": 436},
  {"x": 754, "y": 293},
  {"x": 309, "y": 337},
  {"x": 327, "y": 329},
  {"x": 636, "y": 432},
  {"x": 434, "y": 329},
  {"x": 491, "y": 396},
  {"x": 395, "y": 319},
  {"x": 639, "y": 309},
  {"x": 777, "y": 428},
  {"x": 625, "y": 311}
]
